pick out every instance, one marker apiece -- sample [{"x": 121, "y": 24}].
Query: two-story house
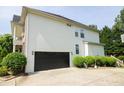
[{"x": 50, "y": 41}]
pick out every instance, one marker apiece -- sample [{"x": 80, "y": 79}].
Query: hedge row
[{"x": 90, "y": 61}]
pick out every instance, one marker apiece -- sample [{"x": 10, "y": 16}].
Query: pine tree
[
  {"x": 112, "y": 37},
  {"x": 106, "y": 38}
]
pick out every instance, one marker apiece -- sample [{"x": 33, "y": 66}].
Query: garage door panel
[{"x": 51, "y": 60}]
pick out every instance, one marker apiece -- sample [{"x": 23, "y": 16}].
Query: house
[{"x": 50, "y": 41}]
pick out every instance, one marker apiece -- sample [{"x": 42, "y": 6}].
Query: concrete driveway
[{"x": 72, "y": 76}]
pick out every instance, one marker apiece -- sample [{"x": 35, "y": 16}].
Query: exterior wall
[
  {"x": 95, "y": 50},
  {"x": 44, "y": 34},
  {"x": 47, "y": 35},
  {"x": 26, "y": 36},
  {"x": 91, "y": 36},
  {"x": 30, "y": 64}
]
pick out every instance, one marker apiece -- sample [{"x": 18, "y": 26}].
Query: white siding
[
  {"x": 30, "y": 61},
  {"x": 44, "y": 34},
  {"x": 47, "y": 35},
  {"x": 95, "y": 50},
  {"x": 91, "y": 36}
]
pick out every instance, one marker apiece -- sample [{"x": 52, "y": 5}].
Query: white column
[
  {"x": 14, "y": 38},
  {"x": 14, "y": 48},
  {"x": 70, "y": 59},
  {"x": 14, "y": 34},
  {"x": 86, "y": 48}
]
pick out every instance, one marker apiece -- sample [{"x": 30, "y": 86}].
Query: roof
[
  {"x": 94, "y": 43},
  {"x": 16, "y": 18},
  {"x": 27, "y": 10}
]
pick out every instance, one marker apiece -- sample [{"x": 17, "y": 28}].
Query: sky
[{"x": 98, "y": 15}]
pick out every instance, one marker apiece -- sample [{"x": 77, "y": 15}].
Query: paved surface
[{"x": 72, "y": 76}]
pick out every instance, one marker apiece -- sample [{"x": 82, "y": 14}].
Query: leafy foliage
[
  {"x": 91, "y": 60},
  {"x": 100, "y": 60},
  {"x": 106, "y": 38},
  {"x": 112, "y": 37},
  {"x": 121, "y": 58},
  {"x": 15, "y": 62},
  {"x": 3, "y": 71},
  {"x": 110, "y": 61},
  {"x": 6, "y": 45},
  {"x": 78, "y": 61}
]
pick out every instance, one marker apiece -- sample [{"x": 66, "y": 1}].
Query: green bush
[
  {"x": 111, "y": 62},
  {"x": 15, "y": 62},
  {"x": 3, "y": 71},
  {"x": 103, "y": 61},
  {"x": 0, "y": 62},
  {"x": 0, "y": 65},
  {"x": 79, "y": 61},
  {"x": 98, "y": 60},
  {"x": 121, "y": 58},
  {"x": 90, "y": 60}
]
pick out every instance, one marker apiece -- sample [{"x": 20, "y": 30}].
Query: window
[
  {"x": 76, "y": 34},
  {"x": 82, "y": 35},
  {"x": 77, "y": 48},
  {"x": 69, "y": 25}
]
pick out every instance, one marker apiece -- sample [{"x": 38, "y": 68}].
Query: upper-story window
[
  {"x": 76, "y": 34},
  {"x": 82, "y": 34}
]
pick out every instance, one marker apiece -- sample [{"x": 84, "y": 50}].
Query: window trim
[
  {"x": 81, "y": 34},
  {"x": 77, "y": 50},
  {"x": 76, "y": 34}
]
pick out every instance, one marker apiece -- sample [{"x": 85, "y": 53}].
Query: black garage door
[{"x": 51, "y": 60}]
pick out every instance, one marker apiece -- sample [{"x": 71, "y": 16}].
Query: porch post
[
  {"x": 14, "y": 38},
  {"x": 86, "y": 48},
  {"x": 14, "y": 47}
]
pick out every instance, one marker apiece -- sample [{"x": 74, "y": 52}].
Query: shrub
[
  {"x": 100, "y": 60},
  {"x": 15, "y": 62},
  {"x": 79, "y": 61},
  {"x": 121, "y": 58},
  {"x": 110, "y": 61},
  {"x": 0, "y": 65},
  {"x": 3, "y": 71},
  {"x": 0, "y": 62},
  {"x": 105, "y": 61},
  {"x": 90, "y": 60}
]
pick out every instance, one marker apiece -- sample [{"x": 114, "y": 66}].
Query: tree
[
  {"x": 112, "y": 37},
  {"x": 106, "y": 38},
  {"x": 117, "y": 30},
  {"x": 6, "y": 45}
]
